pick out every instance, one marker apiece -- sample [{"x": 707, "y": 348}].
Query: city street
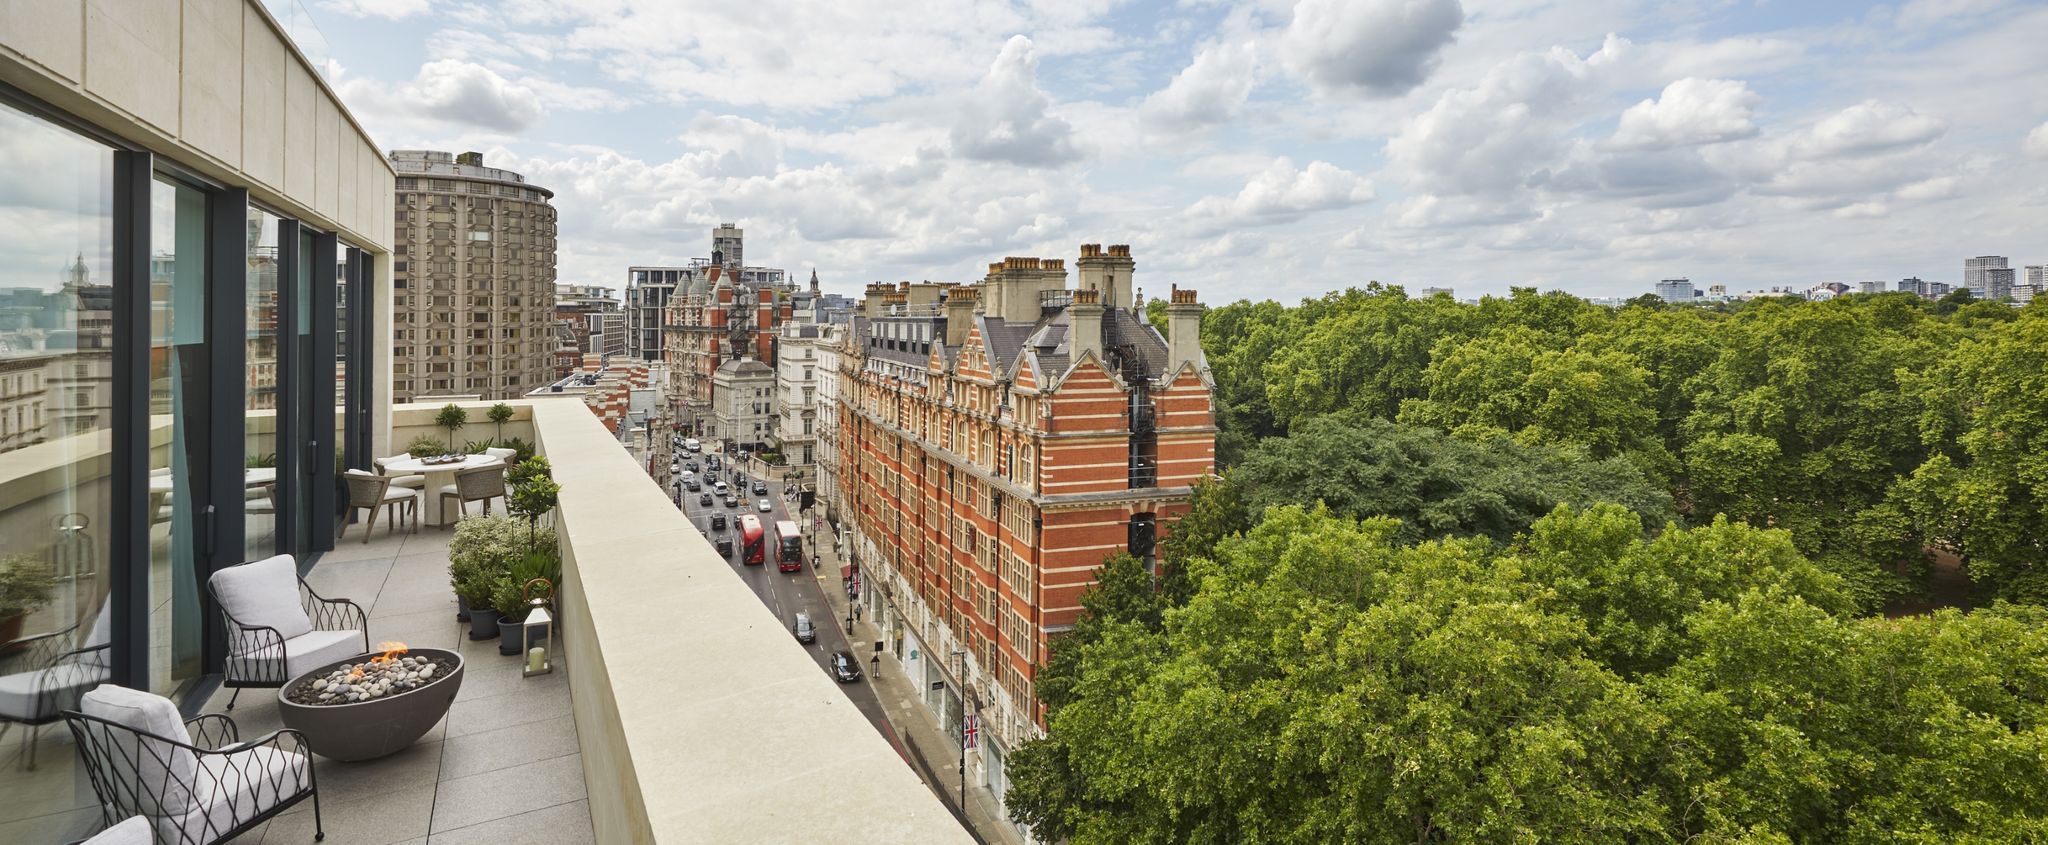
[
  {"x": 788, "y": 594},
  {"x": 922, "y": 744}
]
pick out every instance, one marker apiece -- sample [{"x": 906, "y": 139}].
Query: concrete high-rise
[
  {"x": 1977, "y": 275},
  {"x": 1675, "y": 290},
  {"x": 474, "y": 279}
]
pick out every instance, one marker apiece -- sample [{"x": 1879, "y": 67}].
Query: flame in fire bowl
[{"x": 371, "y": 705}]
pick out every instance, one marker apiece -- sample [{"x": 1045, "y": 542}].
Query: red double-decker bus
[
  {"x": 789, "y": 547},
  {"x": 752, "y": 540}
]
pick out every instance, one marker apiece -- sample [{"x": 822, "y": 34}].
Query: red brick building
[
  {"x": 998, "y": 441},
  {"x": 709, "y": 322}
]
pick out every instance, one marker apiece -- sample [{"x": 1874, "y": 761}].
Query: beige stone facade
[{"x": 474, "y": 278}]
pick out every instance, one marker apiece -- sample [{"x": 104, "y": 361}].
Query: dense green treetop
[{"x": 1531, "y": 570}]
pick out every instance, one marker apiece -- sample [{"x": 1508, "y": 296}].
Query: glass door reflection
[{"x": 178, "y": 367}]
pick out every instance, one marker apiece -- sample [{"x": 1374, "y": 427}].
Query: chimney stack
[
  {"x": 1109, "y": 271},
  {"x": 960, "y": 313},
  {"x": 1183, "y": 331},
  {"x": 1084, "y": 324}
]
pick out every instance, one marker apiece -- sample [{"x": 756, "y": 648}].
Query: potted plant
[
  {"x": 477, "y": 590},
  {"x": 25, "y": 586},
  {"x": 453, "y": 418},
  {"x": 425, "y": 446},
  {"x": 499, "y": 415},
  {"x": 509, "y": 598},
  {"x": 476, "y": 561}
]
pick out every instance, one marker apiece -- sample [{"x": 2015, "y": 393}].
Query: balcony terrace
[{"x": 680, "y": 709}]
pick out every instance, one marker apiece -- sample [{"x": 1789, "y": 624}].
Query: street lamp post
[{"x": 961, "y": 656}]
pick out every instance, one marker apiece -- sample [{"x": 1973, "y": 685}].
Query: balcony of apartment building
[
  {"x": 678, "y": 708},
  {"x": 216, "y": 358}
]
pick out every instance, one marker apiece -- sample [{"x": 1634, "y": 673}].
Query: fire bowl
[{"x": 367, "y": 730}]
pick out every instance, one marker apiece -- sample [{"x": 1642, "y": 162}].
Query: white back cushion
[
  {"x": 155, "y": 769},
  {"x": 264, "y": 594}
]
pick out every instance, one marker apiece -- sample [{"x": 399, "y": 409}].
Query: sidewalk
[{"x": 932, "y": 751}]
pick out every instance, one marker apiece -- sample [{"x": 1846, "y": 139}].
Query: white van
[{"x": 692, "y": 445}]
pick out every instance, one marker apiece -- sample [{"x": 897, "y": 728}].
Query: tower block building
[{"x": 998, "y": 441}]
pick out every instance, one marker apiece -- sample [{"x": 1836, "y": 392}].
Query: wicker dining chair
[
  {"x": 372, "y": 492},
  {"x": 409, "y": 482},
  {"x": 482, "y": 484}
]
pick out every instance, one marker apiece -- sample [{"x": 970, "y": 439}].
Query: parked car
[
  {"x": 844, "y": 667},
  {"x": 725, "y": 547},
  {"x": 760, "y": 487},
  {"x": 731, "y": 501},
  {"x": 704, "y": 500},
  {"x": 764, "y": 506},
  {"x": 718, "y": 522},
  {"x": 803, "y": 630}
]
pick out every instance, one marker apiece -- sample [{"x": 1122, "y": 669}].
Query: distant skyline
[{"x": 1273, "y": 149}]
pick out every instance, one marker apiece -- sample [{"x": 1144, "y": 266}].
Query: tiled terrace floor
[{"x": 501, "y": 768}]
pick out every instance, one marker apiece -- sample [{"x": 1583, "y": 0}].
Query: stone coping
[{"x": 700, "y": 718}]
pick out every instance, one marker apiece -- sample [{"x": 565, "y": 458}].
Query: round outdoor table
[{"x": 438, "y": 476}]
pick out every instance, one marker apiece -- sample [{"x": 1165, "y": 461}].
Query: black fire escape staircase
[{"x": 1142, "y": 464}]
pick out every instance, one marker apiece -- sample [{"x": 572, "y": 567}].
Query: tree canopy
[
  {"x": 1328, "y": 682},
  {"x": 1533, "y": 570}
]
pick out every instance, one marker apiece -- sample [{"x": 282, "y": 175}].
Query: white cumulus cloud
[
  {"x": 1210, "y": 90},
  {"x": 1281, "y": 193},
  {"x": 1873, "y": 127},
  {"x": 1690, "y": 112},
  {"x": 392, "y": 9},
  {"x": 1381, "y": 48},
  {"x": 2037, "y": 141},
  {"x": 1009, "y": 118}
]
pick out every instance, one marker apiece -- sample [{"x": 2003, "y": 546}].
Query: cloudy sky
[{"x": 1277, "y": 148}]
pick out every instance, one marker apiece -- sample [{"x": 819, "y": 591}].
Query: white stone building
[
  {"x": 743, "y": 403},
  {"x": 827, "y": 458},
  {"x": 796, "y": 394}
]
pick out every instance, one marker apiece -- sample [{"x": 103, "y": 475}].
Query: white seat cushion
[
  {"x": 40, "y": 695},
  {"x": 410, "y": 482},
  {"x": 239, "y": 786},
  {"x": 302, "y": 654},
  {"x": 133, "y": 830},
  {"x": 163, "y": 770},
  {"x": 264, "y": 594},
  {"x": 502, "y": 454},
  {"x": 399, "y": 494}
]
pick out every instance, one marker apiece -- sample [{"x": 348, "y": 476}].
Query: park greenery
[{"x": 1535, "y": 570}]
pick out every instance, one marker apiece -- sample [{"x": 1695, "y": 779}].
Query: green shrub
[
  {"x": 25, "y": 584},
  {"x": 453, "y": 418},
  {"x": 523, "y": 447},
  {"x": 424, "y": 446},
  {"x": 529, "y": 469}
]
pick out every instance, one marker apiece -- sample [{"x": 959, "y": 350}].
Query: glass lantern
[{"x": 539, "y": 626}]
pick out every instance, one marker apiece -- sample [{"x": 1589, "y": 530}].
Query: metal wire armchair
[
  {"x": 46, "y": 675},
  {"x": 278, "y": 628},
  {"x": 194, "y": 781}
]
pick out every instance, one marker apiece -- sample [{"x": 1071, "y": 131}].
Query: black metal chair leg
[
  {"x": 231, "y": 698},
  {"x": 28, "y": 738},
  {"x": 319, "y": 830}
]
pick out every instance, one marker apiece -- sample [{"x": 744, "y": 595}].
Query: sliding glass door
[{"x": 179, "y": 368}]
